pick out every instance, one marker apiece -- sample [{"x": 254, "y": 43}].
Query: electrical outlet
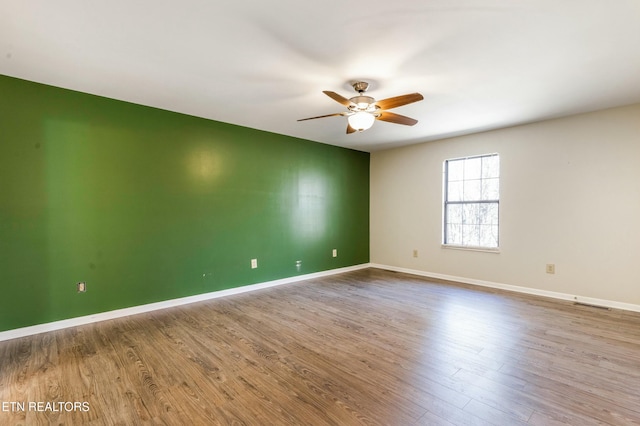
[
  {"x": 81, "y": 287},
  {"x": 415, "y": 253},
  {"x": 254, "y": 263},
  {"x": 551, "y": 268},
  {"x": 334, "y": 253}
]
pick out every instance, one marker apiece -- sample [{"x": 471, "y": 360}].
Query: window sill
[{"x": 467, "y": 248}]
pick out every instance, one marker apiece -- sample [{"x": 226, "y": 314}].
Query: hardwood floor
[{"x": 366, "y": 347}]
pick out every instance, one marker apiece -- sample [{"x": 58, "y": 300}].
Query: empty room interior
[{"x": 361, "y": 213}]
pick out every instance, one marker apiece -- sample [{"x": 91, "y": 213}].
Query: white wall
[{"x": 569, "y": 195}]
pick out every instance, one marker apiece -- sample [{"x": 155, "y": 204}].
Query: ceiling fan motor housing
[{"x": 362, "y": 103}]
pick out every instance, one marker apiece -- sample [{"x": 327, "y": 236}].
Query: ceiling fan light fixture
[{"x": 361, "y": 120}]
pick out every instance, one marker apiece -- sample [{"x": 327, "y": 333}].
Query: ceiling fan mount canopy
[
  {"x": 360, "y": 86},
  {"x": 363, "y": 111}
]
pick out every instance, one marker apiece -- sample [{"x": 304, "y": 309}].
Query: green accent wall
[{"x": 148, "y": 205}]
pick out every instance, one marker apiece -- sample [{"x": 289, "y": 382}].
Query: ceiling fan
[{"x": 364, "y": 110}]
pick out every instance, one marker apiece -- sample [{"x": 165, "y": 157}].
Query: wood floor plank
[{"x": 370, "y": 347}]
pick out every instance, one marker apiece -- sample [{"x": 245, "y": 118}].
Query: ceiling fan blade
[
  {"x": 322, "y": 116},
  {"x": 397, "y": 101},
  {"x": 396, "y": 118},
  {"x": 350, "y": 129},
  {"x": 338, "y": 98}
]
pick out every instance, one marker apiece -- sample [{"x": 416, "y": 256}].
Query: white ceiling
[{"x": 480, "y": 64}]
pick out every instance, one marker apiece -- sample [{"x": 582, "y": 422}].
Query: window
[{"x": 471, "y": 200}]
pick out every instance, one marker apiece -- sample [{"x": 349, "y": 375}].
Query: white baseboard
[
  {"x": 88, "y": 319},
  {"x": 518, "y": 289},
  {"x": 72, "y": 322}
]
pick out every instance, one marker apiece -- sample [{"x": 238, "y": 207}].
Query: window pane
[
  {"x": 472, "y": 190},
  {"x": 492, "y": 214},
  {"x": 455, "y": 170},
  {"x": 455, "y": 191},
  {"x": 490, "y": 166},
  {"x": 488, "y": 214},
  {"x": 454, "y": 214},
  {"x": 473, "y": 168},
  {"x": 488, "y": 235},
  {"x": 470, "y": 235},
  {"x": 483, "y": 214},
  {"x": 490, "y": 189},
  {"x": 454, "y": 234},
  {"x": 470, "y": 214}
]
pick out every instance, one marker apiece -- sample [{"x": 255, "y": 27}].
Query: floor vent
[{"x": 592, "y": 306}]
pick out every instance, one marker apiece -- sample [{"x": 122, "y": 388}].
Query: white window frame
[{"x": 489, "y": 184}]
